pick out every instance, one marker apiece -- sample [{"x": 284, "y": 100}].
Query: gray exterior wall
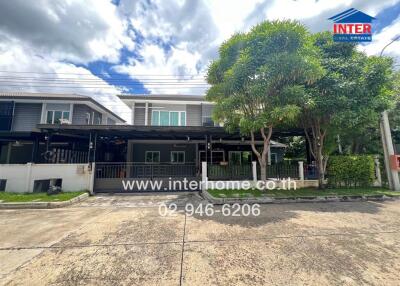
[
  {"x": 26, "y": 116},
  {"x": 79, "y": 114},
  {"x": 110, "y": 121},
  {"x": 139, "y": 150},
  {"x": 193, "y": 115},
  {"x": 139, "y": 113},
  {"x": 194, "y": 112}
]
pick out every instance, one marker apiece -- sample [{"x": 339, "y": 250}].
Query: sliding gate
[{"x": 144, "y": 177}]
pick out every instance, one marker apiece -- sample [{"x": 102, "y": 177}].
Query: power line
[{"x": 102, "y": 74}]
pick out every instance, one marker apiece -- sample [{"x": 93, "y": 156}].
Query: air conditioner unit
[{"x": 65, "y": 121}]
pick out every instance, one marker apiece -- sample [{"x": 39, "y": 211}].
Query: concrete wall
[{"x": 20, "y": 177}]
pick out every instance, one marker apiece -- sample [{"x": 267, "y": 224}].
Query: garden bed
[
  {"x": 37, "y": 197},
  {"x": 307, "y": 192}
]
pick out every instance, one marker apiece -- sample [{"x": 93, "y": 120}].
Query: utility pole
[{"x": 387, "y": 141}]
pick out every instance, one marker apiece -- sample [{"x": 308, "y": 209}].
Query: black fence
[{"x": 144, "y": 170}]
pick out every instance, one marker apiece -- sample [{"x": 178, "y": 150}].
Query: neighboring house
[{"x": 21, "y": 140}]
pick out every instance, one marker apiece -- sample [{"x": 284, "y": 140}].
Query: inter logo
[{"x": 352, "y": 26}]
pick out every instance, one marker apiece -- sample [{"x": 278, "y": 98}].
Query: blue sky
[{"x": 151, "y": 46}]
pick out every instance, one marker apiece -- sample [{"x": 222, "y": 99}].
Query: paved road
[{"x": 122, "y": 240}]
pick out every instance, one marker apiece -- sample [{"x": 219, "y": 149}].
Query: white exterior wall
[{"x": 20, "y": 177}]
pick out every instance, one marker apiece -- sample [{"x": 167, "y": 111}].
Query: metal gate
[{"x": 145, "y": 177}]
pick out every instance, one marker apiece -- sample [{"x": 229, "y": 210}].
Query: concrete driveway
[{"x": 122, "y": 240}]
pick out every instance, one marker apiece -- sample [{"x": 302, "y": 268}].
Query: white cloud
[
  {"x": 383, "y": 38},
  {"x": 174, "y": 37},
  {"x": 16, "y": 57},
  {"x": 179, "y": 61},
  {"x": 72, "y": 30}
]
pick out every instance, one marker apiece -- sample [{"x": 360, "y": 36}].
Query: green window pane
[
  {"x": 149, "y": 157},
  {"x": 65, "y": 115},
  {"x": 156, "y": 157},
  {"x": 173, "y": 157},
  {"x": 174, "y": 118},
  {"x": 183, "y": 118},
  {"x": 49, "y": 117},
  {"x": 57, "y": 116},
  {"x": 164, "y": 118},
  {"x": 234, "y": 158},
  {"x": 155, "y": 118}
]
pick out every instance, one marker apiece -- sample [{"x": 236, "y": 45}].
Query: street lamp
[{"x": 387, "y": 142}]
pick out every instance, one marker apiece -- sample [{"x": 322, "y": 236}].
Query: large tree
[
  {"x": 256, "y": 80},
  {"x": 348, "y": 99}
]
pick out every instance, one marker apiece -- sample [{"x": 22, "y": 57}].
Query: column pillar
[
  {"x": 388, "y": 150},
  {"x": 254, "y": 169},
  {"x": 301, "y": 170}
]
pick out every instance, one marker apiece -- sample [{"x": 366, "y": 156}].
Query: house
[
  {"x": 186, "y": 111},
  {"x": 22, "y": 141}
]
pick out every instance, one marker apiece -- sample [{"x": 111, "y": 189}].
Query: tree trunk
[
  {"x": 321, "y": 167},
  {"x": 316, "y": 144},
  {"x": 262, "y": 157},
  {"x": 263, "y": 170}
]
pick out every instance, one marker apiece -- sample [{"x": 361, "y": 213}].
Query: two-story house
[
  {"x": 22, "y": 141},
  {"x": 186, "y": 111},
  {"x": 169, "y": 136}
]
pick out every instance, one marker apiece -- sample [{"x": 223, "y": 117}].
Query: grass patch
[
  {"x": 37, "y": 197},
  {"x": 308, "y": 192}
]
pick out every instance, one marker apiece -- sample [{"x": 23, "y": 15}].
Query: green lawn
[
  {"x": 301, "y": 193},
  {"x": 37, "y": 197}
]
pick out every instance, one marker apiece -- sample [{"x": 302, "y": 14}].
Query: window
[
  {"x": 152, "y": 157},
  {"x": 168, "y": 118},
  {"x": 55, "y": 116},
  {"x": 235, "y": 157},
  {"x": 6, "y": 115},
  {"x": 240, "y": 157},
  {"x": 178, "y": 157}
]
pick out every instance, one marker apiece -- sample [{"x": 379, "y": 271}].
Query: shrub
[{"x": 351, "y": 171}]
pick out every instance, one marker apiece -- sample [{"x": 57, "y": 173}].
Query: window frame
[
  {"x": 158, "y": 123},
  {"x": 53, "y": 112},
  {"x": 178, "y": 152},
  {"x": 152, "y": 157},
  {"x": 235, "y": 152}
]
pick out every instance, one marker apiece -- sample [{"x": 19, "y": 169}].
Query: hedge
[{"x": 351, "y": 171}]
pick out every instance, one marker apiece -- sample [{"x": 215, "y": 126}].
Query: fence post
[
  {"x": 92, "y": 175},
  {"x": 301, "y": 170},
  {"x": 378, "y": 181},
  {"x": 28, "y": 178},
  {"x": 254, "y": 169},
  {"x": 204, "y": 176}
]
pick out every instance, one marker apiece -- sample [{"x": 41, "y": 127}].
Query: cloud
[
  {"x": 76, "y": 31},
  {"x": 17, "y": 57},
  {"x": 176, "y": 64},
  {"x": 150, "y": 37},
  {"x": 383, "y": 38}
]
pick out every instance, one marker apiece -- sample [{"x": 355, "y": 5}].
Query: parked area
[{"x": 122, "y": 240}]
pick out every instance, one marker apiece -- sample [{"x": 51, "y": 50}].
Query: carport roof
[{"x": 155, "y": 132}]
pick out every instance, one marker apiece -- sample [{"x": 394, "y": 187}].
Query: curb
[
  {"x": 317, "y": 199},
  {"x": 43, "y": 205}
]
